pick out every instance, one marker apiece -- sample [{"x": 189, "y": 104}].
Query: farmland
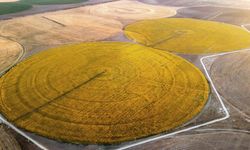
[
  {"x": 10, "y": 51},
  {"x": 124, "y": 74},
  {"x": 108, "y": 91},
  {"x": 51, "y": 2},
  {"x": 235, "y": 91},
  {"x": 14, "y": 6},
  {"x": 194, "y": 35},
  {"x": 7, "y": 141},
  {"x": 77, "y": 25}
]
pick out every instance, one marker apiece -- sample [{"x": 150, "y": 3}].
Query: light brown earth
[
  {"x": 129, "y": 10},
  {"x": 78, "y": 24},
  {"x": 220, "y": 140},
  {"x": 230, "y": 74},
  {"x": 10, "y": 51},
  {"x": 7, "y": 141},
  {"x": 235, "y": 16},
  {"x": 38, "y": 31}
]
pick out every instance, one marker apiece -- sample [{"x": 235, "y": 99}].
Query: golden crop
[
  {"x": 104, "y": 92},
  {"x": 188, "y": 36}
]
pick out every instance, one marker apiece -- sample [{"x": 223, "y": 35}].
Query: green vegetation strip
[
  {"x": 51, "y": 2},
  {"x": 14, "y": 7}
]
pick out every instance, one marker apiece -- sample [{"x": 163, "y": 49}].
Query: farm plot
[
  {"x": 128, "y": 10},
  {"x": 222, "y": 140},
  {"x": 104, "y": 92},
  {"x": 74, "y": 25},
  {"x": 10, "y": 51},
  {"x": 51, "y": 2},
  {"x": 230, "y": 73},
  {"x": 39, "y": 31},
  {"x": 235, "y": 16},
  {"x": 13, "y": 7},
  {"x": 189, "y": 36},
  {"x": 7, "y": 141}
]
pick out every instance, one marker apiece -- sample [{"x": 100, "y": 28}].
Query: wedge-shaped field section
[
  {"x": 7, "y": 141},
  {"x": 188, "y": 36},
  {"x": 10, "y": 51},
  {"x": 230, "y": 74},
  {"x": 104, "y": 92}
]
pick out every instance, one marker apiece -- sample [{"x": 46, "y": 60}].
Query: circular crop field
[
  {"x": 129, "y": 10},
  {"x": 7, "y": 141},
  {"x": 189, "y": 36},
  {"x": 104, "y": 92}
]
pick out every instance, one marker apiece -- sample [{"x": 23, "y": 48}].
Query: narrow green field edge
[{"x": 14, "y": 7}]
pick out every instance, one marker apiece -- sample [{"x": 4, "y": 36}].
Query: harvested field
[
  {"x": 128, "y": 10},
  {"x": 104, "y": 92},
  {"x": 7, "y": 141},
  {"x": 235, "y": 16},
  {"x": 40, "y": 31},
  {"x": 75, "y": 25},
  {"x": 188, "y": 36},
  {"x": 191, "y": 3},
  {"x": 219, "y": 140},
  {"x": 10, "y": 51},
  {"x": 230, "y": 73}
]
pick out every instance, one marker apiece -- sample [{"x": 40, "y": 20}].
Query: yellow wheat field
[
  {"x": 104, "y": 92},
  {"x": 189, "y": 36}
]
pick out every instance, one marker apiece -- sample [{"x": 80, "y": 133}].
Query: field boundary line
[
  {"x": 244, "y": 27},
  {"x": 20, "y": 57},
  {"x": 2, "y": 119},
  {"x": 22, "y": 133},
  {"x": 227, "y": 115}
]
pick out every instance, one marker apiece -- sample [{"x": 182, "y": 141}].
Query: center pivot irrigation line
[
  {"x": 58, "y": 97},
  {"x": 3, "y": 120},
  {"x": 194, "y": 127}
]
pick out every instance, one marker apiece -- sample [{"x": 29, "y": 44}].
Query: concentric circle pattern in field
[
  {"x": 129, "y": 10},
  {"x": 7, "y": 141},
  {"x": 189, "y": 36},
  {"x": 231, "y": 74},
  {"x": 104, "y": 92}
]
